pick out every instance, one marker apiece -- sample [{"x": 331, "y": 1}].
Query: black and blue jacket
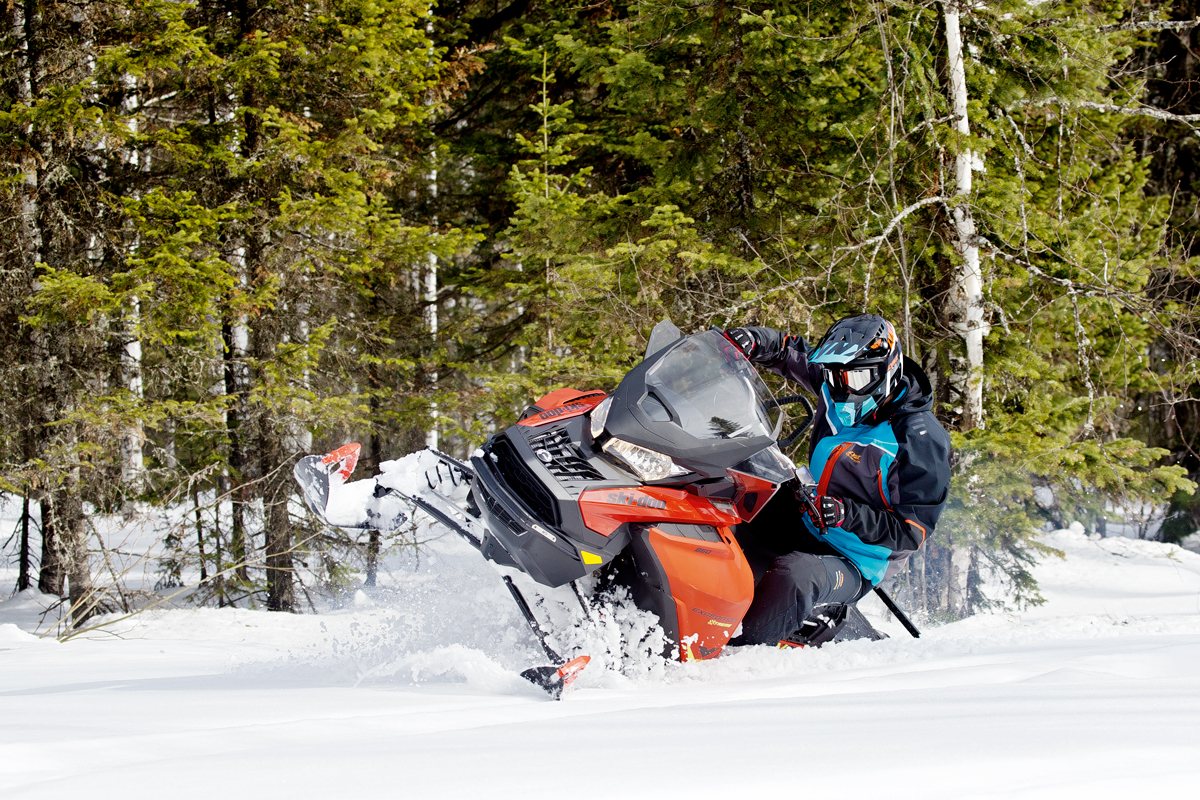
[{"x": 892, "y": 471}]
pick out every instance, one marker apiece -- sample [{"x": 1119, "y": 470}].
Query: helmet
[{"x": 861, "y": 365}]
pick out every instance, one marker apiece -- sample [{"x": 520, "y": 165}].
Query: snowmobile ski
[
  {"x": 361, "y": 505},
  {"x": 559, "y": 676},
  {"x": 556, "y": 680}
]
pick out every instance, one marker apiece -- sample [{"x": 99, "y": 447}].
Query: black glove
[
  {"x": 744, "y": 339},
  {"x": 833, "y": 511}
]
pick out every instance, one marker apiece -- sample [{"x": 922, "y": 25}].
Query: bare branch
[
  {"x": 896, "y": 220},
  {"x": 1139, "y": 111},
  {"x": 1152, "y": 25},
  {"x": 1110, "y": 108}
]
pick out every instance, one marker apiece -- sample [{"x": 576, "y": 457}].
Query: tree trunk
[
  {"x": 956, "y": 584},
  {"x": 233, "y": 347},
  {"x": 277, "y": 528},
  {"x": 373, "y": 536},
  {"x": 132, "y": 460},
  {"x": 272, "y": 476},
  {"x": 72, "y": 535},
  {"x": 975, "y": 596},
  {"x": 50, "y": 575},
  {"x": 965, "y": 300},
  {"x": 23, "y": 581},
  {"x": 200, "y": 535}
]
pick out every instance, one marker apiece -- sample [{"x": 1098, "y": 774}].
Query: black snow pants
[{"x": 794, "y": 573}]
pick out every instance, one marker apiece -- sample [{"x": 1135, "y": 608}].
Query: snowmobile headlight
[
  {"x": 600, "y": 416},
  {"x": 647, "y": 464}
]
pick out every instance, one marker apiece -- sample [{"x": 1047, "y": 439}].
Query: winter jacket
[{"x": 893, "y": 476}]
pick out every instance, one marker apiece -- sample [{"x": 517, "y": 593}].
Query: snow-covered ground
[{"x": 414, "y": 693}]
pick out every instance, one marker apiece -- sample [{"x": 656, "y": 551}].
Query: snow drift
[{"x": 413, "y": 691}]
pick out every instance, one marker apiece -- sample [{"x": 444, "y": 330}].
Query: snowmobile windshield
[{"x": 713, "y": 391}]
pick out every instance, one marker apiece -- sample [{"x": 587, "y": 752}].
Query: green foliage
[{"x": 221, "y": 220}]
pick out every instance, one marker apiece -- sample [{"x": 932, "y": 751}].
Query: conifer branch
[{"x": 1132, "y": 302}]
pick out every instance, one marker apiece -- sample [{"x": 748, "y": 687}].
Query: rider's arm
[
  {"x": 923, "y": 485},
  {"x": 785, "y": 355}
]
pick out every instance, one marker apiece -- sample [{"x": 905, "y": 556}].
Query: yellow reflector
[{"x": 590, "y": 558}]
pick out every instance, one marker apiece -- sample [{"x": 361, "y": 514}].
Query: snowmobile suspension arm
[
  {"x": 443, "y": 518},
  {"x": 900, "y": 615},
  {"x": 554, "y": 657},
  {"x": 453, "y": 525}
]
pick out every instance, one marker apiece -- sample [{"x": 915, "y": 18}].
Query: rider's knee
[{"x": 804, "y": 570}]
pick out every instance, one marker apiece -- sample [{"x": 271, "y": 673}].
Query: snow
[{"x": 411, "y": 690}]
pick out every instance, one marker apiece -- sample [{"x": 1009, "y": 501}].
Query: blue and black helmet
[{"x": 861, "y": 363}]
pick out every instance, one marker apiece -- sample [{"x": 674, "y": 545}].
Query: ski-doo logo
[
  {"x": 636, "y": 499},
  {"x": 717, "y": 618},
  {"x": 558, "y": 412}
]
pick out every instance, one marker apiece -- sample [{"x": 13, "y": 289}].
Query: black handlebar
[{"x": 787, "y": 441}]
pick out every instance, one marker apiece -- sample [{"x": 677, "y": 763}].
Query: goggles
[{"x": 857, "y": 380}]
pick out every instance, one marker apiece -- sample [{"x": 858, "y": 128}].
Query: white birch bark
[
  {"x": 132, "y": 457},
  {"x": 431, "y": 314},
  {"x": 299, "y": 437},
  {"x": 29, "y": 178},
  {"x": 965, "y": 300},
  {"x": 132, "y": 460}
]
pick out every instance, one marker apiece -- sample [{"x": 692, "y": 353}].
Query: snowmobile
[{"x": 641, "y": 488}]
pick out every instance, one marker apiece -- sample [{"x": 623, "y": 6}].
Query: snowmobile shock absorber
[
  {"x": 443, "y": 518},
  {"x": 554, "y": 657}
]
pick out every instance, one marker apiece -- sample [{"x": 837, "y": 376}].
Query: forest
[{"x": 234, "y": 232}]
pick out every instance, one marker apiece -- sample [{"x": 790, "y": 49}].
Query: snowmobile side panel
[
  {"x": 711, "y": 584},
  {"x": 605, "y": 510},
  {"x": 651, "y": 588},
  {"x": 696, "y": 579}
]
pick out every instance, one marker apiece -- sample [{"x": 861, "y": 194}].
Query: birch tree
[{"x": 965, "y": 298}]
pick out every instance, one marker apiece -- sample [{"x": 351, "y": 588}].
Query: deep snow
[{"x": 414, "y": 693}]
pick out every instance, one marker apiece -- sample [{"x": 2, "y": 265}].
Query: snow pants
[{"x": 794, "y": 574}]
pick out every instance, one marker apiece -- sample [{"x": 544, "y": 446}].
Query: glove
[
  {"x": 743, "y": 339},
  {"x": 833, "y": 512}
]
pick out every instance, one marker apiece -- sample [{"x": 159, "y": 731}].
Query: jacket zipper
[{"x": 828, "y": 471}]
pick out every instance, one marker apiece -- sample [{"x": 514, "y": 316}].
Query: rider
[{"x": 881, "y": 461}]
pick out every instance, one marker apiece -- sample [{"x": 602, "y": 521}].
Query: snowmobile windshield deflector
[{"x": 713, "y": 391}]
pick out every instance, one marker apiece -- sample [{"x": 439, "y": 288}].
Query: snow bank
[{"x": 412, "y": 689}]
